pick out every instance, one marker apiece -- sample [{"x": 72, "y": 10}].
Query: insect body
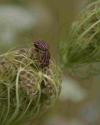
[
  {"x": 45, "y": 59},
  {"x": 42, "y": 45}
]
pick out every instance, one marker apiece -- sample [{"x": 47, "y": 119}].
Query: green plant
[
  {"x": 27, "y": 91},
  {"x": 82, "y": 48}
]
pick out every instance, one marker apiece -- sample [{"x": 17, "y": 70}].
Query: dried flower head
[
  {"x": 82, "y": 48},
  {"x": 26, "y": 89}
]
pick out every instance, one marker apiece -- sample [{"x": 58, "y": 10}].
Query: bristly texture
[
  {"x": 82, "y": 49},
  {"x": 27, "y": 91}
]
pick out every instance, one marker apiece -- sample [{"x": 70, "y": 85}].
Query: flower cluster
[
  {"x": 82, "y": 48},
  {"x": 27, "y": 90}
]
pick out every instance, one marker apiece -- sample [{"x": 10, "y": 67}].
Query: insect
[
  {"x": 45, "y": 59},
  {"x": 41, "y": 45}
]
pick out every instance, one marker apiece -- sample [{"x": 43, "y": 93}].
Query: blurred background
[{"x": 23, "y": 21}]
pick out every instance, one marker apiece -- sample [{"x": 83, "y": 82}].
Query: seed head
[{"x": 25, "y": 87}]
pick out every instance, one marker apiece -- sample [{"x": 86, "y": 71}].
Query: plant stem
[{"x": 17, "y": 102}]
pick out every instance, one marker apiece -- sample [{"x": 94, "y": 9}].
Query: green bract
[
  {"x": 26, "y": 90},
  {"x": 82, "y": 48}
]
